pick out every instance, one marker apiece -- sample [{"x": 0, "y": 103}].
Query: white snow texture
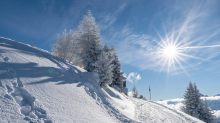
[{"x": 36, "y": 87}]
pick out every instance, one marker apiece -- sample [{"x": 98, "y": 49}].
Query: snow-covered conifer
[
  {"x": 194, "y": 105},
  {"x": 189, "y": 98},
  {"x": 90, "y": 41},
  {"x": 103, "y": 66},
  {"x": 118, "y": 75},
  {"x": 108, "y": 51},
  {"x": 208, "y": 116},
  {"x": 141, "y": 96},
  {"x": 135, "y": 92},
  {"x": 198, "y": 111}
]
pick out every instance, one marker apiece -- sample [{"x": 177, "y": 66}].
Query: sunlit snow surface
[
  {"x": 38, "y": 87},
  {"x": 213, "y": 102}
]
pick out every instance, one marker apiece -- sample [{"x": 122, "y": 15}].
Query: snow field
[
  {"x": 41, "y": 87},
  {"x": 36, "y": 87}
]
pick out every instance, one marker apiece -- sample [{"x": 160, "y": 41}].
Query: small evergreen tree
[
  {"x": 194, "y": 105},
  {"x": 199, "y": 111},
  {"x": 118, "y": 75},
  {"x": 135, "y": 92},
  {"x": 189, "y": 98},
  {"x": 208, "y": 116},
  {"x": 141, "y": 96},
  {"x": 103, "y": 66}
]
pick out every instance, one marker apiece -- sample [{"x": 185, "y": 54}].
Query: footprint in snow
[
  {"x": 6, "y": 59},
  {"x": 9, "y": 89},
  {"x": 1, "y": 84},
  {"x": 11, "y": 72},
  {"x": 20, "y": 84},
  {"x": 29, "y": 106},
  {"x": 8, "y": 96}
]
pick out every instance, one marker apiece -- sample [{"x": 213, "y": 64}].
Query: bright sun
[{"x": 170, "y": 51}]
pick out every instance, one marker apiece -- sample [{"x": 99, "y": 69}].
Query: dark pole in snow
[{"x": 150, "y": 92}]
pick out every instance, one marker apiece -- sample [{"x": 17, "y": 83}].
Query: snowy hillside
[
  {"x": 177, "y": 104},
  {"x": 38, "y": 87}
]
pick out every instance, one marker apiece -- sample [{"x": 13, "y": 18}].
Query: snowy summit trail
[
  {"x": 36, "y": 87},
  {"x": 151, "y": 112}
]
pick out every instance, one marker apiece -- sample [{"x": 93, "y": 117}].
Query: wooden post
[{"x": 150, "y": 92}]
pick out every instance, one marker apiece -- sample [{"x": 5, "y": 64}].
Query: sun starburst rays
[
  {"x": 175, "y": 55},
  {"x": 170, "y": 54},
  {"x": 170, "y": 51},
  {"x": 178, "y": 50}
]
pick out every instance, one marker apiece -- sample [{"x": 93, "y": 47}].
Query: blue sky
[{"x": 140, "y": 30}]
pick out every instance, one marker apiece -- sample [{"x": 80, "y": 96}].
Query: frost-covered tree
[
  {"x": 108, "y": 51},
  {"x": 66, "y": 47},
  {"x": 62, "y": 47},
  {"x": 189, "y": 98},
  {"x": 118, "y": 75},
  {"x": 208, "y": 116},
  {"x": 194, "y": 105},
  {"x": 74, "y": 51},
  {"x": 141, "y": 96},
  {"x": 199, "y": 110},
  {"x": 135, "y": 92},
  {"x": 103, "y": 67},
  {"x": 90, "y": 41}
]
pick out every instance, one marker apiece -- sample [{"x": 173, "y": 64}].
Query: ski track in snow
[
  {"x": 151, "y": 112},
  {"x": 29, "y": 106}
]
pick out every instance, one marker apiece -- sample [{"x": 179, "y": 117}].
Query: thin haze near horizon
[{"x": 161, "y": 44}]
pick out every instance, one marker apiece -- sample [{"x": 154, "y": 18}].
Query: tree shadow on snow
[
  {"x": 32, "y": 70},
  {"x": 27, "y": 49}
]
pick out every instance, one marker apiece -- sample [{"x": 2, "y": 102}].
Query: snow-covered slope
[
  {"x": 177, "y": 104},
  {"x": 152, "y": 112},
  {"x": 38, "y": 87}
]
